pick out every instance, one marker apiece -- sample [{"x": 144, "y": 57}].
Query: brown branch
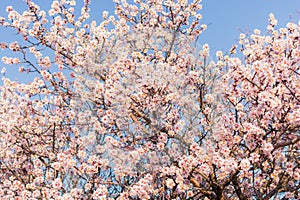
[
  {"x": 287, "y": 143},
  {"x": 142, "y": 115},
  {"x": 238, "y": 189}
]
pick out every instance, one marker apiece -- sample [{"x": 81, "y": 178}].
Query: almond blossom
[{"x": 133, "y": 107}]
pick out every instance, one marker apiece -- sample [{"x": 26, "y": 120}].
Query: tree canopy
[{"x": 132, "y": 107}]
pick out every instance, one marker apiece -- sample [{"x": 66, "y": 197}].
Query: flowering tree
[{"x": 132, "y": 108}]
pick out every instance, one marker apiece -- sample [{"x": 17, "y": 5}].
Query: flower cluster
[{"x": 128, "y": 108}]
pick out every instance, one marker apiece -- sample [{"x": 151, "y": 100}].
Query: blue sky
[{"x": 225, "y": 18}]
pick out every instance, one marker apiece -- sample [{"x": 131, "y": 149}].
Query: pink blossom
[
  {"x": 170, "y": 183},
  {"x": 245, "y": 164},
  {"x": 131, "y": 107},
  {"x": 57, "y": 183}
]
